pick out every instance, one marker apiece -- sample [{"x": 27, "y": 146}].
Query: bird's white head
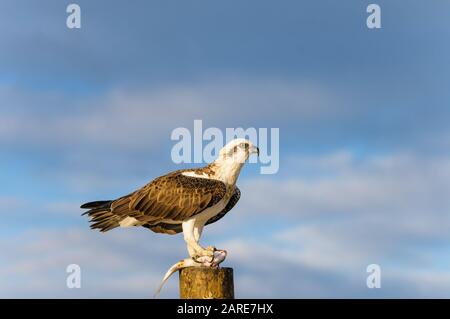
[
  {"x": 238, "y": 150},
  {"x": 232, "y": 157}
]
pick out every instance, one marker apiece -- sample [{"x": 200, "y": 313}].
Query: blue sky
[{"x": 364, "y": 142}]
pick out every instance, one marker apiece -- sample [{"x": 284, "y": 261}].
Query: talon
[
  {"x": 208, "y": 252},
  {"x": 196, "y": 259},
  {"x": 203, "y": 256}
]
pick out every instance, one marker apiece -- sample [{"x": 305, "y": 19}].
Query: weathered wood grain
[{"x": 206, "y": 283}]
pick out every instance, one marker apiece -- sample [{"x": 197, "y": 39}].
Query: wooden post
[{"x": 206, "y": 283}]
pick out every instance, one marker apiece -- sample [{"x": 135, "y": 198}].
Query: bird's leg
[
  {"x": 218, "y": 255},
  {"x": 200, "y": 257},
  {"x": 195, "y": 250},
  {"x": 198, "y": 229}
]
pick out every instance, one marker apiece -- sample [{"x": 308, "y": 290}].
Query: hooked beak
[{"x": 254, "y": 150}]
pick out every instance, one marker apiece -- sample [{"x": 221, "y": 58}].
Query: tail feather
[
  {"x": 97, "y": 204},
  {"x": 101, "y": 216}
]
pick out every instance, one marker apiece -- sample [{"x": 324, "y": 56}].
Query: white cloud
[
  {"x": 341, "y": 213},
  {"x": 119, "y": 264},
  {"x": 12, "y": 202},
  {"x": 141, "y": 118},
  {"x": 392, "y": 185},
  {"x": 314, "y": 238},
  {"x": 123, "y": 135}
]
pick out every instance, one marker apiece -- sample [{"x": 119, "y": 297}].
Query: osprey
[{"x": 181, "y": 201}]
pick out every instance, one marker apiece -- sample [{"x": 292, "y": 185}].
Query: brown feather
[{"x": 174, "y": 197}]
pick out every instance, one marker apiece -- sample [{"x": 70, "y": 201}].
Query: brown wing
[
  {"x": 176, "y": 228},
  {"x": 174, "y": 197}
]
